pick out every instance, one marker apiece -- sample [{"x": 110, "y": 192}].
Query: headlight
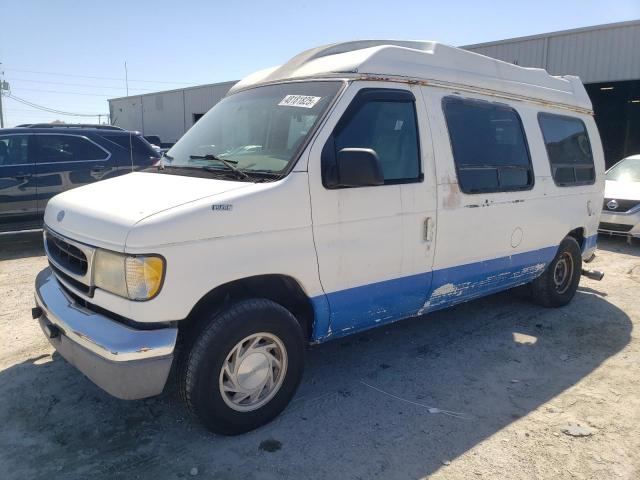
[
  {"x": 138, "y": 277},
  {"x": 144, "y": 276}
]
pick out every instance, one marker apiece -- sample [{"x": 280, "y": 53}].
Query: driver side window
[{"x": 383, "y": 120}]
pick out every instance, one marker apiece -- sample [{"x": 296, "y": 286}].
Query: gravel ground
[{"x": 520, "y": 379}]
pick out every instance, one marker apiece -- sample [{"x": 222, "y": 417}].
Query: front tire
[
  {"x": 558, "y": 283},
  {"x": 244, "y": 367}
]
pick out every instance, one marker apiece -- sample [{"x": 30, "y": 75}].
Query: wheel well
[
  {"x": 578, "y": 234},
  {"x": 280, "y": 289}
]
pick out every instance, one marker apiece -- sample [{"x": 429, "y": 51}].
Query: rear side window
[
  {"x": 568, "y": 148},
  {"x": 384, "y": 121},
  {"x": 68, "y": 148},
  {"x": 489, "y": 146},
  {"x": 14, "y": 150}
]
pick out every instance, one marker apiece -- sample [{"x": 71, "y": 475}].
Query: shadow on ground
[
  {"x": 619, "y": 245},
  {"x": 21, "y": 245},
  {"x": 493, "y": 361}
]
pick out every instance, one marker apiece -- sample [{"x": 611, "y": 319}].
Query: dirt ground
[{"x": 516, "y": 375}]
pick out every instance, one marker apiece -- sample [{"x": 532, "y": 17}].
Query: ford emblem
[
  {"x": 60, "y": 215},
  {"x": 612, "y": 204}
]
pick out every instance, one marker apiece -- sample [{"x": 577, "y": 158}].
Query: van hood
[
  {"x": 622, "y": 190},
  {"x": 103, "y": 213}
]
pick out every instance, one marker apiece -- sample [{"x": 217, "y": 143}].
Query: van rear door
[{"x": 493, "y": 222}]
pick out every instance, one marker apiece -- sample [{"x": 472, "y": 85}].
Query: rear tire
[
  {"x": 558, "y": 283},
  {"x": 244, "y": 367}
]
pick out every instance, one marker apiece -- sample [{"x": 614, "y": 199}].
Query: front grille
[
  {"x": 615, "y": 227},
  {"x": 69, "y": 257},
  {"x": 81, "y": 287},
  {"x": 623, "y": 205}
]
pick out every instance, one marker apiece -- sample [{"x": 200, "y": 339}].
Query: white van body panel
[
  {"x": 362, "y": 256},
  {"x": 104, "y": 214},
  {"x": 487, "y": 241},
  {"x": 203, "y": 247},
  {"x": 341, "y": 256},
  {"x": 372, "y": 239}
]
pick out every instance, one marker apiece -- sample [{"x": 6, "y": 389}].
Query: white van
[{"x": 358, "y": 184}]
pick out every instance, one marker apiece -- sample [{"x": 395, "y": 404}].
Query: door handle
[
  {"x": 97, "y": 169},
  {"x": 426, "y": 234},
  {"x": 22, "y": 176}
]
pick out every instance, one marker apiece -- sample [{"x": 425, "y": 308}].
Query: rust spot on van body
[{"x": 451, "y": 195}]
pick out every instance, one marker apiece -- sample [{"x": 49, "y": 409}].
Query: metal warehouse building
[
  {"x": 166, "y": 114},
  {"x": 605, "y": 57}
]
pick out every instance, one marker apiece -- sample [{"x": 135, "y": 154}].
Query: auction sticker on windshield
[{"x": 304, "y": 101}]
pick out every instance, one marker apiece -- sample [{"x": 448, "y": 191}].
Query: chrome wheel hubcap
[
  {"x": 253, "y": 372},
  {"x": 563, "y": 273}
]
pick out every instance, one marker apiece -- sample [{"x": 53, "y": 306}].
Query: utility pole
[
  {"x": 126, "y": 78},
  {"x": 3, "y": 86}
]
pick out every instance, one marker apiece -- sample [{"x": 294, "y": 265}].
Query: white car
[
  {"x": 359, "y": 184},
  {"x": 621, "y": 208}
]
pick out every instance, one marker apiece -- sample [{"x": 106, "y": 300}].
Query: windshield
[
  {"x": 628, "y": 170},
  {"x": 257, "y": 130}
]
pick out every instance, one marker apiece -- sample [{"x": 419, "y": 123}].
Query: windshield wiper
[
  {"x": 164, "y": 155},
  {"x": 227, "y": 163}
]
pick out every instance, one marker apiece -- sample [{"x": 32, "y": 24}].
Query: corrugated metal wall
[
  {"x": 166, "y": 114},
  {"x": 126, "y": 112},
  {"x": 200, "y": 100},
  {"x": 157, "y": 109},
  {"x": 598, "y": 54}
]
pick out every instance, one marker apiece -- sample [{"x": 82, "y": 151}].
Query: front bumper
[
  {"x": 125, "y": 362},
  {"x": 621, "y": 223}
]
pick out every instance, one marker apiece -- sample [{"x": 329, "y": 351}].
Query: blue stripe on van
[{"x": 359, "y": 308}]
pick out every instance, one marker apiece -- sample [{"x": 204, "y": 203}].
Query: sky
[{"x": 69, "y": 55}]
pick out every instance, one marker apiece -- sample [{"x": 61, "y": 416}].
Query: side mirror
[{"x": 359, "y": 167}]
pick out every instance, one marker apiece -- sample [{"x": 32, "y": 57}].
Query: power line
[
  {"x": 25, "y": 110},
  {"x": 66, "y": 93},
  {"x": 79, "y": 84},
  {"x": 51, "y": 110},
  {"x": 96, "y": 77}
]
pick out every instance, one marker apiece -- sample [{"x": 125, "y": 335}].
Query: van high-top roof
[{"x": 426, "y": 62}]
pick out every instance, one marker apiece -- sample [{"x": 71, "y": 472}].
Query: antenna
[{"x": 3, "y": 86}]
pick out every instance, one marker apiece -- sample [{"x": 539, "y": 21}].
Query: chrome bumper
[{"x": 125, "y": 362}]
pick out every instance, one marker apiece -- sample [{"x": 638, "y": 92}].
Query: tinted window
[
  {"x": 14, "y": 149},
  {"x": 489, "y": 146},
  {"x": 135, "y": 142},
  {"x": 389, "y": 128},
  {"x": 568, "y": 149},
  {"x": 68, "y": 148}
]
